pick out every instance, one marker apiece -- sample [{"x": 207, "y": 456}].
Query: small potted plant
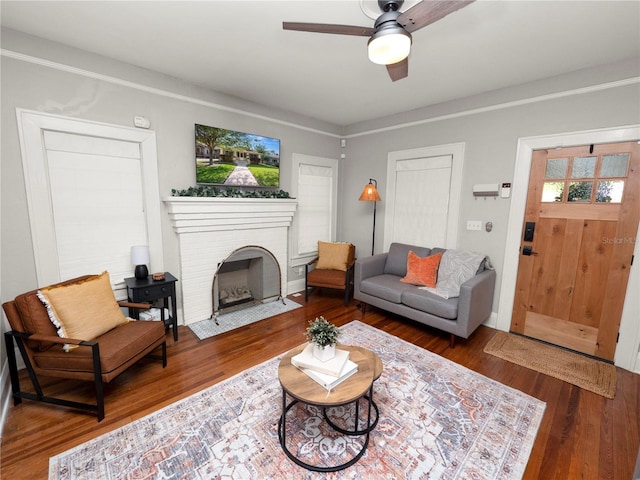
[{"x": 324, "y": 337}]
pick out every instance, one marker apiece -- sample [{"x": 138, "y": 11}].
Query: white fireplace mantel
[
  {"x": 209, "y": 229},
  {"x": 193, "y": 214}
]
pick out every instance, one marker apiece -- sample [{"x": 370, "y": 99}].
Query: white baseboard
[
  {"x": 492, "y": 321},
  {"x": 5, "y": 394},
  {"x": 5, "y": 388},
  {"x": 295, "y": 286}
]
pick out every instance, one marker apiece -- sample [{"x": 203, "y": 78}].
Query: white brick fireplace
[{"x": 210, "y": 229}]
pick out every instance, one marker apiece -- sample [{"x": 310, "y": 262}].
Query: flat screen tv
[{"x": 236, "y": 159}]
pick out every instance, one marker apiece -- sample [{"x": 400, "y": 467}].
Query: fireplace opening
[
  {"x": 249, "y": 275},
  {"x": 235, "y": 282}
]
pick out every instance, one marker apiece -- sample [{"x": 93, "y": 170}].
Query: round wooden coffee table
[{"x": 301, "y": 388}]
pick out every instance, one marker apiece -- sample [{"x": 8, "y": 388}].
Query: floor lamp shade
[
  {"x": 140, "y": 258},
  {"x": 370, "y": 194}
]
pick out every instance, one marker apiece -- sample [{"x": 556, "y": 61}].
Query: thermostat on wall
[{"x": 505, "y": 191}]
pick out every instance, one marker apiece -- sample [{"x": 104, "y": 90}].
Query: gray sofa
[{"x": 377, "y": 282}]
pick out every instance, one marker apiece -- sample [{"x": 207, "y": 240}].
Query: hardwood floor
[{"x": 582, "y": 435}]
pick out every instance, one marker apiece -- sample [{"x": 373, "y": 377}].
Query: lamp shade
[
  {"x": 370, "y": 193},
  {"x": 139, "y": 255},
  {"x": 389, "y": 46}
]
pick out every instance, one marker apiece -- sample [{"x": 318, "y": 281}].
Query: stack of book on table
[{"x": 329, "y": 373}]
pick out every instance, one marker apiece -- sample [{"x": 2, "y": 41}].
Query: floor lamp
[{"x": 370, "y": 194}]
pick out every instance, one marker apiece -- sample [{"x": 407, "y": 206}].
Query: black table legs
[{"x": 368, "y": 426}]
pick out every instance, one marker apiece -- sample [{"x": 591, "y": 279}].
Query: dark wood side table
[{"x": 147, "y": 290}]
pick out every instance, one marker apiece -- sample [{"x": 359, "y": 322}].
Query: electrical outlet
[
  {"x": 474, "y": 224},
  {"x": 300, "y": 270}
]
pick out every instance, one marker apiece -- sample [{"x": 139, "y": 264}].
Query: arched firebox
[{"x": 249, "y": 275}]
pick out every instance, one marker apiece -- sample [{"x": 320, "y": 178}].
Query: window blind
[
  {"x": 97, "y": 204},
  {"x": 315, "y": 203}
]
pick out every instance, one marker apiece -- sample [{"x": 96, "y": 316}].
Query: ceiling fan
[{"x": 390, "y": 37}]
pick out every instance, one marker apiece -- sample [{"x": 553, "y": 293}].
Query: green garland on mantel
[{"x": 206, "y": 191}]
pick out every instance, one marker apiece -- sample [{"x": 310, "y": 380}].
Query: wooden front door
[{"x": 578, "y": 236}]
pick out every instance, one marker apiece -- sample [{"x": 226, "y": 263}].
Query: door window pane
[
  {"x": 584, "y": 167},
  {"x": 614, "y": 165},
  {"x": 552, "y": 191},
  {"x": 610, "y": 191},
  {"x": 556, "y": 168},
  {"x": 580, "y": 191}
]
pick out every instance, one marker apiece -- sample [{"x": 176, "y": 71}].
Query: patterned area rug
[
  {"x": 593, "y": 375},
  {"x": 438, "y": 420},
  {"x": 228, "y": 321}
]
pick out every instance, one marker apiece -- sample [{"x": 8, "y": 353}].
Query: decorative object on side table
[
  {"x": 324, "y": 337},
  {"x": 140, "y": 258}
]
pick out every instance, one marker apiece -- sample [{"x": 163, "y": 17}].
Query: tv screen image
[{"x": 236, "y": 159}]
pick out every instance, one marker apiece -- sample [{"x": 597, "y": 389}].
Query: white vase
[{"x": 324, "y": 353}]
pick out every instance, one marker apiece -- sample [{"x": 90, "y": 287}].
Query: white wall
[
  {"x": 48, "y": 77},
  {"x": 490, "y": 133},
  {"x": 110, "y": 93}
]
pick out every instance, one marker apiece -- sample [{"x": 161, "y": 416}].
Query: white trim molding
[
  {"x": 501, "y": 106},
  {"x": 31, "y": 125},
  {"x": 153, "y": 90},
  {"x": 463, "y": 113}
]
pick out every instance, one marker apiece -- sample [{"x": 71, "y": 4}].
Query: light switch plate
[{"x": 474, "y": 224}]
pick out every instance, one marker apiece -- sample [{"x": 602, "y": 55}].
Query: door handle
[{"x": 528, "y": 250}]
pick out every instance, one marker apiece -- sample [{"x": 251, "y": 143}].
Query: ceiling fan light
[{"x": 389, "y": 47}]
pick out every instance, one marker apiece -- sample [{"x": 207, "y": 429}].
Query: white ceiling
[{"x": 239, "y": 48}]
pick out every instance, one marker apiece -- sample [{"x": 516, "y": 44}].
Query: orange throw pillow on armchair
[{"x": 422, "y": 271}]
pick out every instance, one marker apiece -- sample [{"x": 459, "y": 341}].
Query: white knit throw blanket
[{"x": 456, "y": 267}]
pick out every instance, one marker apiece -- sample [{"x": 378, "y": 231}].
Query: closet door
[{"x": 423, "y": 197}]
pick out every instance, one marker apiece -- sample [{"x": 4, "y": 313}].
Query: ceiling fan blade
[
  {"x": 398, "y": 71},
  {"x": 428, "y": 12},
  {"x": 329, "y": 28}
]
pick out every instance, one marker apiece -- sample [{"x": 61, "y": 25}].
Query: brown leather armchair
[
  {"x": 98, "y": 359},
  {"x": 332, "y": 268}
]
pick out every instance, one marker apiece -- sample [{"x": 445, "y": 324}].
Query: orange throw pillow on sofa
[{"x": 422, "y": 271}]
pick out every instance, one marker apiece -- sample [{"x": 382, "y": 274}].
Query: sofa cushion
[
  {"x": 428, "y": 302},
  {"x": 386, "y": 287},
  {"x": 396, "y": 263},
  {"x": 422, "y": 271}
]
